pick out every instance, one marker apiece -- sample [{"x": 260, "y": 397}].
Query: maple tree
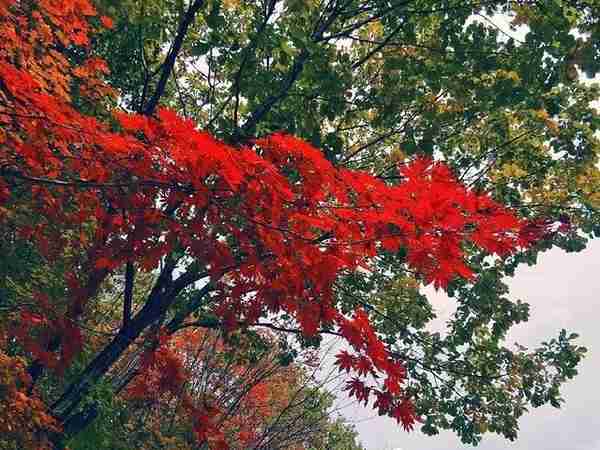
[
  {"x": 258, "y": 400},
  {"x": 257, "y": 228}
]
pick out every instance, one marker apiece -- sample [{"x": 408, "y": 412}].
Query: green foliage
[{"x": 340, "y": 436}]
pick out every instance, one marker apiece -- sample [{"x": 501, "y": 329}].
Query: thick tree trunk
[{"x": 154, "y": 307}]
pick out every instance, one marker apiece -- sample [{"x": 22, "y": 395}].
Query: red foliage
[
  {"x": 233, "y": 404},
  {"x": 25, "y": 422},
  {"x": 275, "y": 222},
  {"x": 163, "y": 373}
]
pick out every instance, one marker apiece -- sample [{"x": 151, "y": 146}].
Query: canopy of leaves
[
  {"x": 333, "y": 241},
  {"x": 496, "y": 89}
]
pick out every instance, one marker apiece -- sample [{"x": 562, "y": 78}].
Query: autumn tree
[
  {"x": 496, "y": 89},
  {"x": 261, "y": 397},
  {"x": 243, "y": 224}
]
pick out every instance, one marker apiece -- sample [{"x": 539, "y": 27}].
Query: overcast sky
[{"x": 563, "y": 290}]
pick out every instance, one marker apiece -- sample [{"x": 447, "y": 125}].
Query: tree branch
[
  {"x": 378, "y": 47},
  {"x": 295, "y": 71},
  {"x": 248, "y": 50},
  {"x": 169, "y": 63},
  {"x": 259, "y": 113},
  {"x": 128, "y": 295}
]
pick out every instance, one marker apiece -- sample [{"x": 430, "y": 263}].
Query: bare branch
[{"x": 128, "y": 295}]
